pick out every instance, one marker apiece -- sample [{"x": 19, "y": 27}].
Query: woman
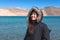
[{"x": 36, "y": 29}]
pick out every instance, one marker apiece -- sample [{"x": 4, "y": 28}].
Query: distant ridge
[
  {"x": 47, "y": 11},
  {"x": 52, "y": 11},
  {"x": 13, "y": 12}
]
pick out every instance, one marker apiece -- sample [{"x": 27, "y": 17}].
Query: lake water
[{"x": 14, "y": 27}]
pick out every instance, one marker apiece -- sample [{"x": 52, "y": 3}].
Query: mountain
[
  {"x": 47, "y": 11},
  {"x": 13, "y": 12},
  {"x": 51, "y": 11}
]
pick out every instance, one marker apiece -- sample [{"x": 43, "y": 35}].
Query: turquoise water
[{"x": 14, "y": 27}]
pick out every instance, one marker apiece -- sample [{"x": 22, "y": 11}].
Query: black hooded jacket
[{"x": 41, "y": 31}]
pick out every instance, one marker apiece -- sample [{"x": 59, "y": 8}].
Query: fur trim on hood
[{"x": 40, "y": 14}]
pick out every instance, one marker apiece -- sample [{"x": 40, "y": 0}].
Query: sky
[{"x": 27, "y": 4}]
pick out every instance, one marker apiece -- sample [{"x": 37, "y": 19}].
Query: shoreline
[{"x": 21, "y": 16}]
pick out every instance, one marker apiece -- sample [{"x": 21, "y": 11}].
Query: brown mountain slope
[
  {"x": 13, "y": 12},
  {"x": 47, "y": 11},
  {"x": 52, "y": 11}
]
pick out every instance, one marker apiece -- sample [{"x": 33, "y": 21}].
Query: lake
[{"x": 14, "y": 27}]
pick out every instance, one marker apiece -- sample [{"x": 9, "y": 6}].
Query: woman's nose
[{"x": 33, "y": 16}]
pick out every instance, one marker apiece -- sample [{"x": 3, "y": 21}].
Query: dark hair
[
  {"x": 32, "y": 12},
  {"x": 31, "y": 25},
  {"x": 30, "y": 20}
]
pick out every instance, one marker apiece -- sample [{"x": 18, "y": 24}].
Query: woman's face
[{"x": 34, "y": 16}]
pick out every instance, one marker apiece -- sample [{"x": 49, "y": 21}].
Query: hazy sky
[{"x": 28, "y": 3}]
